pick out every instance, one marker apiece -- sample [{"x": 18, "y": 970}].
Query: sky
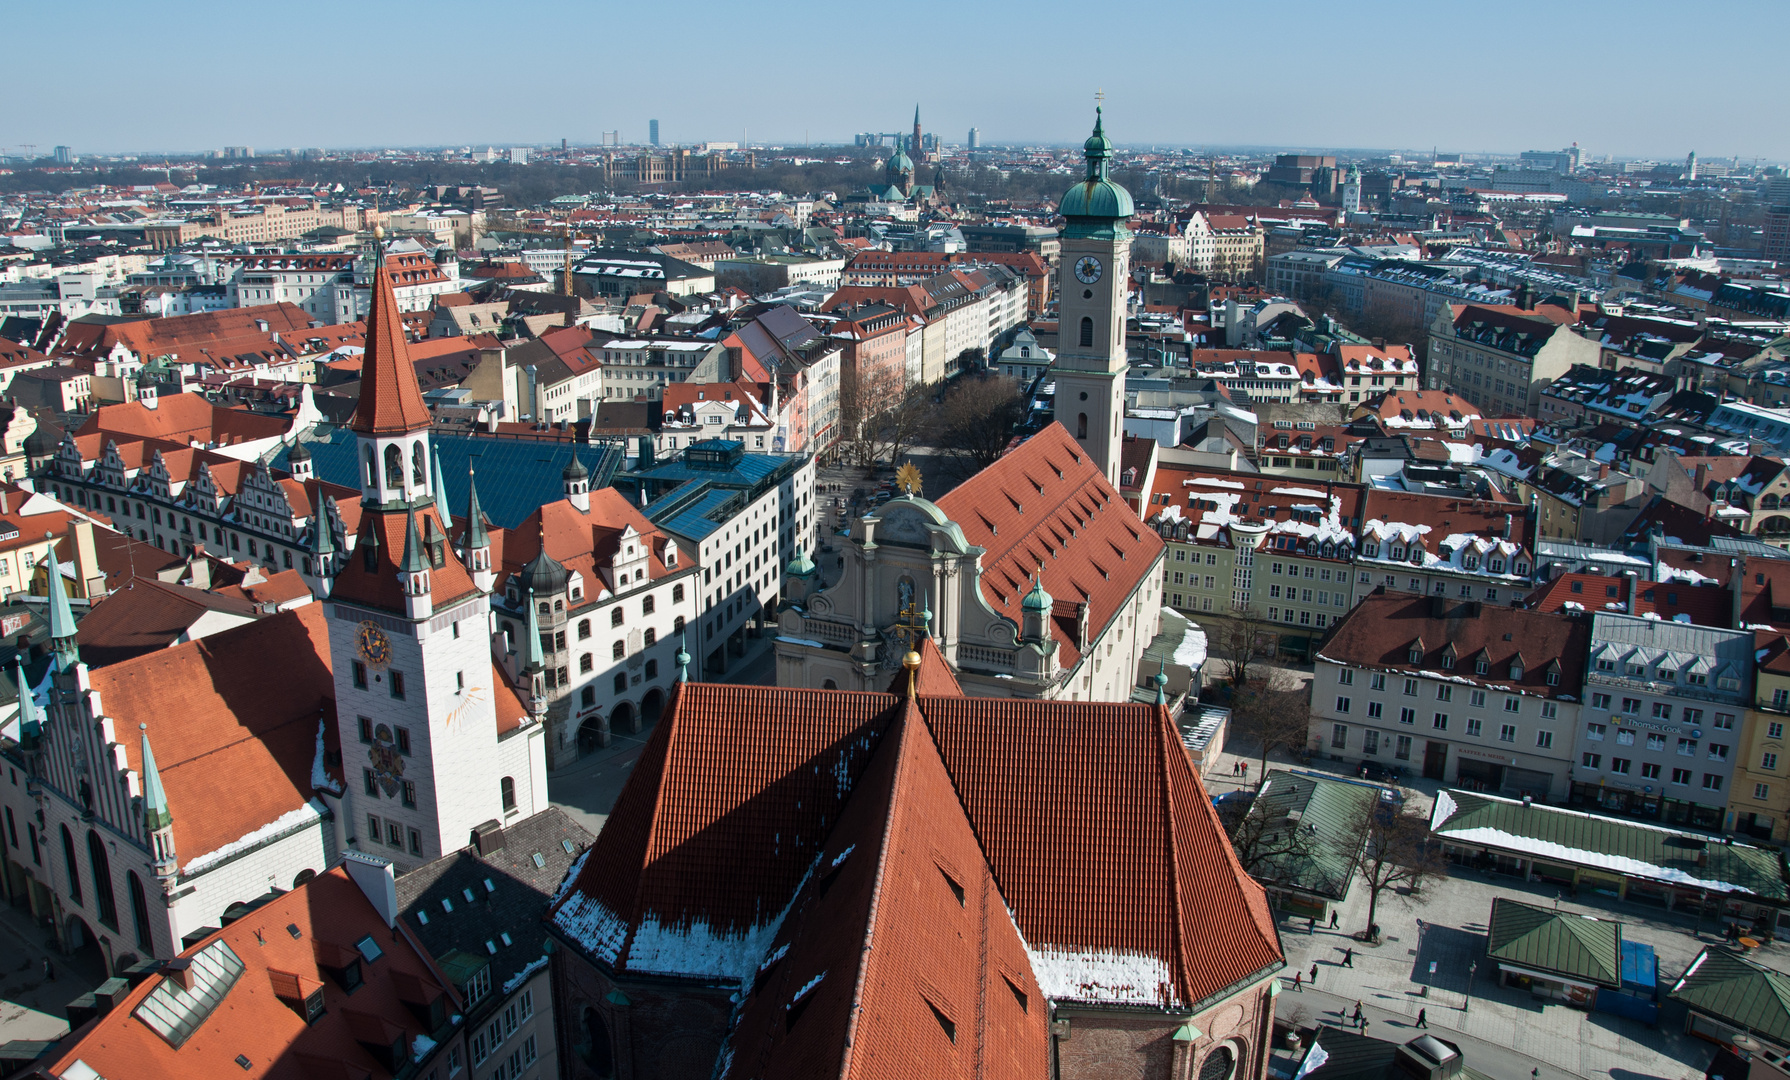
[{"x": 1636, "y": 78}]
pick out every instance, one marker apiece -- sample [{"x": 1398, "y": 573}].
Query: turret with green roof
[{"x": 1096, "y": 208}]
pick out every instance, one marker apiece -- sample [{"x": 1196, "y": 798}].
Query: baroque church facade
[
  {"x": 1034, "y": 578},
  {"x": 147, "y": 801}
]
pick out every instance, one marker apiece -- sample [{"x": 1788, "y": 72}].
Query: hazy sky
[{"x": 1636, "y": 77}]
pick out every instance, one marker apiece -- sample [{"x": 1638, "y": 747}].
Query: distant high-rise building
[
  {"x": 1777, "y": 234},
  {"x": 65, "y": 155},
  {"x": 1690, "y": 166},
  {"x": 975, "y": 138},
  {"x": 519, "y": 155},
  {"x": 652, "y": 127},
  {"x": 239, "y": 151}
]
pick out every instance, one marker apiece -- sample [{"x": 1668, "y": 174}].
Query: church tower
[
  {"x": 917, "y": 148},
  {"x": 1093, "y": 283},
  {"x": 426, "y": 755},
  {"x": 1351, "y": 192}
]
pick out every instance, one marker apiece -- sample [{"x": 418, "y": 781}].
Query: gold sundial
[{"x": 907, "y": 478}]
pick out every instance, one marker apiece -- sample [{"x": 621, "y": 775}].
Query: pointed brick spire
[{"x": 391, "y": 402}]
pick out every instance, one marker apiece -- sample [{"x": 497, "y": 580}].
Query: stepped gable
[
  {"x": 585, "y": 542},
  {"x": 1047, "y": 505},
  {"x": 391, "y": 402},
  {"x": 252, "y": 722},
  {"x": 1107, "y": 849},
  {"x": 900, "y": 926}
]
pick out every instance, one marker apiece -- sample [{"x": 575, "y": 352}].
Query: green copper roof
[
  {"x": 1096, "y": 207},
  {"x": 414, "y": 559},
  {"x": 440, "y": 480},
  {"x": 62, "y": 617},
  {"x": 475, "y": 515},
  {"x": 801, "y": 565},
  {"x": 1311, "y": 837},
  {"x": 1606, "y": 844},
  {"x": 155, "y": 800},
  {"x": 1737, "y": 992},
  {"x": 1561, "y": 942},
  {"x": 30, "y": 723},
  {"x": 1037, "y": 599}
]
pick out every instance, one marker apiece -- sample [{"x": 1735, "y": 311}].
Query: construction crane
[{"x": 565, "y": 283}]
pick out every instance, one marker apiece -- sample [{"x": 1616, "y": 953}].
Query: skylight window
[
  {"x": 540, "y": 861},
  {"x": 567, "y": 844},
  {"x": 174, "y": 1011},
  {"x": 369, "y": 949}
]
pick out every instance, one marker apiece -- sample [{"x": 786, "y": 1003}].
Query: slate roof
[
  {"x": 1333, "y": 811},
  {"x": 1045, "y": 504},
  {"x": 1631, "y": 848},
  {"x": 1738, "y": 992},
  {"x": 514, "y": 904},
  {"x": 1577, "y": 946}
]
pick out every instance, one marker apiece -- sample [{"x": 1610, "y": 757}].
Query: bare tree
[
  {"x": 1397, "y": 850},
  {"x": 899, "y": 427},
  {"x": 1261, "y": 834},
  {"x": 1236, "y": 646},
  {"x": 977, "y": 419},
  {"x": 1276, "y": 709}
]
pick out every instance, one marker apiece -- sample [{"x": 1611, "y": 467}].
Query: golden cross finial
[
  {"x": 1099, "y": 96},
  {"x": 910, "y": 625}
]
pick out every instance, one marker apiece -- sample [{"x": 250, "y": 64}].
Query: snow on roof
[{"x": 1103, "y": 976}]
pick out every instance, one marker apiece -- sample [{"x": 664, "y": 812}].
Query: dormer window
[
  {"x": 1482, "y": 666},
  {"x": 1415, "y": 656},
  {"x": 1496, "y": 566},
  {"x": 1471, "y": 562},
  {"x": 1397, "y": 552},
  {"x": 1516, "y": 669},
  {"x": 1521, "y": 569},
  {"x": 1370, "y": 550}
]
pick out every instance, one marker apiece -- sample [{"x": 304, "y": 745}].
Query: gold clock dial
[{"x": 375, "y": 647}]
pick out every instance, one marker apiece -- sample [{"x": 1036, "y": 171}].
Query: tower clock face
[
  {"x": 1087, "y": 270},
  {"x": 375, "y": 647}
]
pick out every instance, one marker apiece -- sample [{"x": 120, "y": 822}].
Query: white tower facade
[
  {"x": 434, "y": 741},
  {"x": 1351, "y": 192},
  {"x": 1093, "y": 289}
]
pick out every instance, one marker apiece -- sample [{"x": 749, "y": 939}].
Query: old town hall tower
[
  {"x": 1095, "y": 271},
  {"x": 434, "y": 741}
]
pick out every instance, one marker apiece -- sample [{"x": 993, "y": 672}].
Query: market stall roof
[
  {"x": 1737, "y": 992},
  {"x": 1591, "y": 841},
  {"x": 1580, "y": 947}
]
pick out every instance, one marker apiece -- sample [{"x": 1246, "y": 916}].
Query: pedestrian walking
[
  {"x": 1364, "y": 1027},
  {"x": 49, "y": 971},
  {"x": 1314, "y": 974},
  {"x": 1333, "y": 919},
  {"x": 1245, "y": 770},
  {"x": 1423, "y": 1018},
  {"x": 1348, "y": 958},
  {"x": 1298, "y": 976},
  {"x": 1358, "y": 1014},
  {"x": 1311, "y": 926}
]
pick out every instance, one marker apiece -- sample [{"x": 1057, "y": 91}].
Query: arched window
[
  {"x": 677, "y": 594},
  {"x": 651, "y": 636},
  {"x": 587, "y": 697},
  {"x": 140, "y": 913},
  {"x": 585, "y": 663},
  {"x": 509, "y": 793},
  {"x": 102, "y": 880},
  {"x": 677, "y": 625},
  {"x": 1081, "y": 426},
  {"x": 372, "y": 476},
  {"x": 646, "y": 606},
  {"x": 615, "y": 617},
  {"x": 595, "y": 1046},
  {"x": 418, "y": 466},
  {"x": 1219, "y": 1064},
  {"x": 545, "y": 608},
  {"x": 583, "y": 629},
  {"x": 1087, "y": 332},
  {"x": 829, "y": 685},
  {"x": 619, "y": 652},
  {"x": 74, "y": 868},
  {"x": 394, "y": 466}
]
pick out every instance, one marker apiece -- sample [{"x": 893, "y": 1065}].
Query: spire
[
  {"x": 441, "y": 499},
  {"x": 1161, "y": 681},
  {"x": 414, "y": 560},
  {"x": 391, "y": 401},
  {"x": 682, "y": 658},
  {"x": 916, "y": 115},
  {"x": 62, "y": 618},
  {"x": 323, "y": 541},
  {"x": 535, "y": 660},
  {"x": 30, "y": 723},
  {"x": 475, "y": 517},
  {"x": 155, "y": 800}
]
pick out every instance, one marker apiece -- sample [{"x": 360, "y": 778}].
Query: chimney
[
  {"x": 1633, "y": 590},
  {"x": 87, "y": 568},
  {"x": 1737, "y": 586},
  {"x": 488, "y": 838},
  {"x": 1507, "y": 523}
]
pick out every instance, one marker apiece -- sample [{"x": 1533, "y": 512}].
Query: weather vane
[{"x": 907, "y": 478}]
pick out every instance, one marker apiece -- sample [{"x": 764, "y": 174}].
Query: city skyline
[{"x": 1213, "y": 91}]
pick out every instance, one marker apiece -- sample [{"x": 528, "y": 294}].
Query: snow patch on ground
[
  {"x": 294, "y": 819},
  {"x": 1105, "y": 976}
]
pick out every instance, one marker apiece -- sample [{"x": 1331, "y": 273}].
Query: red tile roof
[
  {"x": 183, "y": 418},
  {"x": 1091, "y": 819},
  {"x": 182, "y": 334},
  {"x": 1047, "y": 505},
  {"x": 147, "y": 616},
  {"x": 1710, "y": 605},
  {"x": 391, "y": 402},
  {"x": 379, "y": 586},
  {"x": 1382, "y": 627},
  {"x": 255, "y": 723},
  {"x": 252, "y": 1032},
  {"x": 900, "y": 932}
]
